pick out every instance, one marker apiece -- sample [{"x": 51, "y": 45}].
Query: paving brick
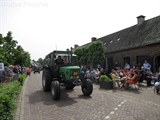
[{"x": 35, "y": 104}]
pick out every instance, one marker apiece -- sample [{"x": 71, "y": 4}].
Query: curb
[{"x": 19, "y": 112}]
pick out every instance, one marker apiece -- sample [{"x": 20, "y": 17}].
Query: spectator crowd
[
  {"x": 10, "y": 71},
  {"x": 131, "y": 74}
]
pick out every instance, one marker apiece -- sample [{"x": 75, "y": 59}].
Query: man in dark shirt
[{"x": 59, "y": 61}]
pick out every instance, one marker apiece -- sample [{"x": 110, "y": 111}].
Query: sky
[{"x": 41, "y": 26}]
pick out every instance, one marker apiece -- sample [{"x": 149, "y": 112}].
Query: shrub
[
  {"x": 8, "y": 96},
  {"x": 22, "y": 78},
  {"x": 104, "y": 78}
]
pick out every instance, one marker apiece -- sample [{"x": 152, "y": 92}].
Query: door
[
  {"x": 110, "y": 64},
  {"x": 157, "y": 63}
]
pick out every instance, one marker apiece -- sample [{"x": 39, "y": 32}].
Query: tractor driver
[{"x": 59, "y": 61}]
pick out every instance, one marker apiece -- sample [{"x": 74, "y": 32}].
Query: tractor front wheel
[
  {"x": 87, "y": 87},
  {"x": 55, "y": 90}
]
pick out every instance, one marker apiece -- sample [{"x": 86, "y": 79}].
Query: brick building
[{"x": 135, "y": 44}]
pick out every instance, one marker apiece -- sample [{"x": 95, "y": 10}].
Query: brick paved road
[{"x": 34, "y": 104}]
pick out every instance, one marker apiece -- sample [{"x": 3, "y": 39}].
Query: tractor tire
[
  {"x": 55, "y": 90},
  {"x": 87, "y": 87},
  {"x": 46, "y": 80}
]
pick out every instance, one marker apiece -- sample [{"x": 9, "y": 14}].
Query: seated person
[
  {"x": 114, "y": 78},
  {"x": 157, "y": 83},
  {"x": 133, "y": 79},
  {"x": 149, "y": 76},
  {"x": 125, "y": 72},
  {"x": 82, "y": 74},
  {"x": 87, "y": 73},
  {"x": 101, "y": 72},
  {"x": 59, "y": 61},
  {"x": 131, "y": 73},
  {"x": 143, "y": 74},
  {"x": 65, "y": 59},
  {"x": 97, "y": 73}
]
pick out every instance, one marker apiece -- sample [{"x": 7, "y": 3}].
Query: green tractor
[{"x": 64, "y": 74}]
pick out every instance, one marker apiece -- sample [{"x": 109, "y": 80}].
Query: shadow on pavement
[
  {"x": 46, "y": 98},
  {"x": 135, "y": 91}
]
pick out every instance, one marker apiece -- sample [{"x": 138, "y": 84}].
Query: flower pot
[{"x": 106, "y": 84}]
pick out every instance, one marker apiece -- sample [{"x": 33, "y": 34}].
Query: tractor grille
[{"x": 74, "y": 72}]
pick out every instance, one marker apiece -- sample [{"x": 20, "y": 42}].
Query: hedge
[{"x": 8, "y": 97}]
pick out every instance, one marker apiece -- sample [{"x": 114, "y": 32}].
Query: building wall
[{"x": 152, "y": 51}]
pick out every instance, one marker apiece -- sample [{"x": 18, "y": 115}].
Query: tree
[
  {"x": 21, "y": 57},
  {"x": 11, "y": 53},
  {"x": 93, "y": 54},
  {"x": 96, "y": 52},
  {"x": 9, "y": 45},
  {"x": 82, "y": 55},
  {"x": 41, "y": 61}
]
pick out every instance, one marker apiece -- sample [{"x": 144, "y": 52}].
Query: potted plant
[{"x": 105, "y": 82}]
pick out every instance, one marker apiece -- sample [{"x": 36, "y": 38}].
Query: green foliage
[
  {"x": 11, "y": 53},
  {"x": 105, "y": 78},
  {"x": 41, "y": 61},
  {"x": 8, "y": 96},
  {"x": 22, "y": 78},
  {"x": 93, "y": 53}
]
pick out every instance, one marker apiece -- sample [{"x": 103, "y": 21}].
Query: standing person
[
  {"x": 29, "y": 71},
  {"x": 127, "y": 66},
  {"x": 1, "y": 69},
  {"x": 4, "y": 75},
  {"x": 15, "y": 70},
  {"x": 116, "y": 66},
  {"x": 146, "y": 65},
  {"x": 9, "y": 73},
  {"x": 59, "y": 61},
  {"x": 99, "y": 66}
]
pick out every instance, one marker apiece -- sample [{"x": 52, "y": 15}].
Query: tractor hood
[
  {"x": 70, "y": 72},
  {"x": 69, "y": 67}
]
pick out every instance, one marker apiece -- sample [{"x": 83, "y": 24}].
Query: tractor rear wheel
[{"x": 46, "y": 80}]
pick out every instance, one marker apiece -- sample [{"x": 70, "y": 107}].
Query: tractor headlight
[
  {"x": 77, "y": 76},
  {"x": 71, "y": 77}
]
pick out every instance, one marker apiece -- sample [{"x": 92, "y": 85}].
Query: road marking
[
  {"x": 116, "y": 108},
  {"x": 112, "y": 112},
  {"x": 119, "y": 105},
  {"x": 107, "y": 117}
]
